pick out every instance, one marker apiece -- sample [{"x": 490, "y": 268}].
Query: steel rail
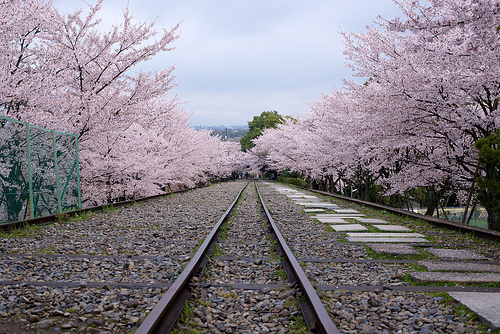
[
  {"x": 317, "y": 318},
  {"x": 164, "y": 315},
  {"x": 485, "y": 233},
  {"x": 72, "y": 213}
]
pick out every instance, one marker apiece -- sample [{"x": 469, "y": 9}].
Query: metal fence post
[
  {"x": 30, "y": 178},
  {"x": 59, "y": 209},
  {"x": 78, "y": 172}
]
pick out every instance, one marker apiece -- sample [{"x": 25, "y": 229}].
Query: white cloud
[{"x": 235, "y": 59}]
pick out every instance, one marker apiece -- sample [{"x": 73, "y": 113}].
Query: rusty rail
[
  {"x": 72, "y": 213},
  {"x": 317, "y": 318},
  {"x": 164, "y": 315},
  {"x": 478, "y": 231}
]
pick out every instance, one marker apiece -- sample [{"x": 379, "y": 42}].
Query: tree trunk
[
  {"x": 472, "y": 211},
  {"x": 332, "y": 185},
  {"x": 469, "y": 196},
  {"x": 432, "y": 202},
  {"x": 494, "y": 220}
]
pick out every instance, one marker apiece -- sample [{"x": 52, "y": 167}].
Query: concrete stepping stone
[
  {"x": 386, "y": 240},
  {"x": 386, "y": 235},
  {"x": 459, "y": 266},
  {"x": 333, "y": 220},
  {"x": 434, "y": 277},
  {"x": 307, "y": 200},
  {"x": 320, "y": 205},
  {"x": 348, "y": 227},
  {"x": 338, "y": 215},
  {"x": 485, "y": 304},
  {"x": 345, "y": 211},
  {"x": 394, "y": 228},
  {"x": 455, "y": 254},
  {"x": 394, "y": 249},
  {"x": 283, "y": 188},
  {"x": 314, "y": 210},
  {"x": 290, "y": 192},
  {"x": 372, "y": 220},
  {"x": 319, "y": 217},
  {"x": 306, "y": 203}
]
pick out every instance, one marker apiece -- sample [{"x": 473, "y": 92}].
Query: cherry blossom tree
[
  {"x": 431, "y": 91},
  {"x": 63, "y": 72},
  {"x": 21, "y": 25},
  {"x": 436, "y": 72}
]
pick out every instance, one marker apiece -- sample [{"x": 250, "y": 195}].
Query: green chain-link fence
[{"x": 39, "y": 171}]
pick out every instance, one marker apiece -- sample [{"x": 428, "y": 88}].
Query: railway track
[
  {"x": 372, "y": 267},
  {"x": 115, "y": 272},
  {"x": 255, "y": 271},
  {"x": 103, "y": 272}
]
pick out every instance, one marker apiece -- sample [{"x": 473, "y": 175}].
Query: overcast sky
[{"x": 237, "y": 58}]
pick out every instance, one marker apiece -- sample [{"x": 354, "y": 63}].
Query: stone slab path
[
  {"x": 337, "y": 215},
  {"x": 381, "y": 239},
  {"x": 455, "y": 265},
  {"x": 372, "y": 221},
  {"x": 392, "y": 228},
  {"x": 465, "y": 278},
  {"x": 485, "y": 304},
  {"x": 459, "y": 266},
  {"x": 385, "y": 235},
  {"x": 394, "y": 249},
  {"x": 313, "y": 210},
  {"x": 348, "y": 227},
  {"x": 455, "y": 254},
  {"x": 334, "y": 221}
]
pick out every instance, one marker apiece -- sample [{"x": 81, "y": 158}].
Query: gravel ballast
[
  {"x": 141, "y": 244},
  {"x": 95, "y": 262}
]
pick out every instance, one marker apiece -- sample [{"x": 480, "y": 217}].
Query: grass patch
[
  {"x": 62, "y": 217},
  {"x": 315, "y": 220},
  {"x": 297, "y": 323},
  {"x": 224, "y": 229},
  {"x": 200, "y": 242},
  {"x": 272, "y": 246},
  {"x": 464, "y": 312},
  {"x": 407, "y": 278},
  {"x": 298, "y": 326},
  {"x": 423, "y": 255},
  {"x": 291, "y": 180},
  {"x": 24, "y": 231},
  {"x": 84, "y": 215},
  {"x": 217, "y": 251},
  {"x": 328, "y": 228},
  {"x": 109, "y": 208},
  {"x": 185, "y": 323},
  {"x": 280, "y": 274}
]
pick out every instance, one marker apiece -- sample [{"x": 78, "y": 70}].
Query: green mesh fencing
[{"x": 39, "y": 171}]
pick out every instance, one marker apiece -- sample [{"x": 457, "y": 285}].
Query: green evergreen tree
[
  {"x": 489, "y": 184},
  {"x": 268, "y": 119}
]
